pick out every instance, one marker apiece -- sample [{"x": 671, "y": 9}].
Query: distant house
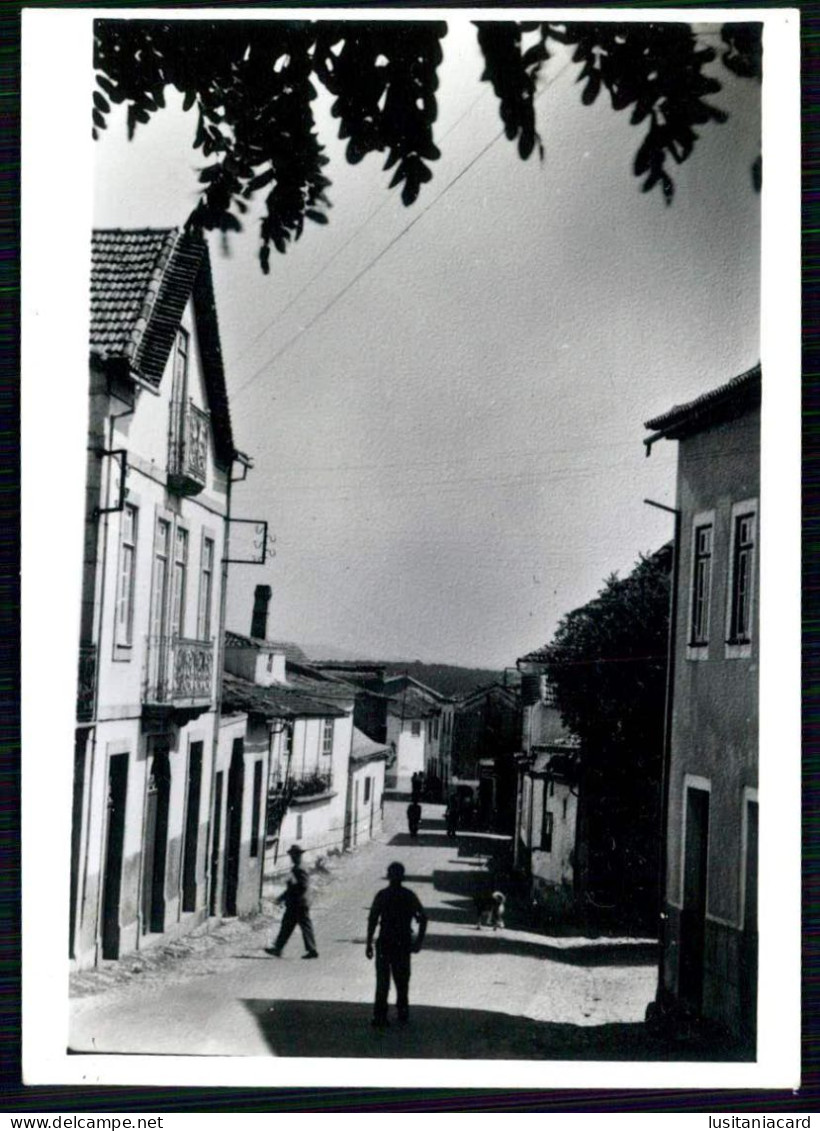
[
  {"x": 485, "y": 737},
  {"x": 546, "y": 847},
  {"x": 304, "y": 721},
  {"x": 370, "y": 711},
  {"x": 710, "y": 939},
  {"x": 161, "y": 455},
  {"x": 415, "y": 716},
  {"x": 365, "y": 791}
]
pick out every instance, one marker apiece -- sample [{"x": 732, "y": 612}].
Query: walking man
[
  {"x": 297, "y": 909},
  {"x": 394, "y": 910},
  {"x": 413, "y": 818}
]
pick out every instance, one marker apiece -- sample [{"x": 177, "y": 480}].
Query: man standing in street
[
  {"x": 297, "y": 909},
  {"x": 393, "y": 912}
]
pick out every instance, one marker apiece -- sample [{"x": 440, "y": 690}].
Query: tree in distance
[{"x": 252, "y": 85}]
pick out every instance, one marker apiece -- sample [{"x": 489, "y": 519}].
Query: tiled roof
[
  {"x": 302, "y": 676},
  {"x": 728, "y": 400},
  {"x": 394, "y": 684},
  {"x": 411, "y": 705},
  {"x": 292, "y": 652},
  {"x": 140, "y": 282},
  {"x": 364, "y": 749},
  {"x": 276, "y": 702}
]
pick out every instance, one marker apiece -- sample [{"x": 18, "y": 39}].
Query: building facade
[
  {"x": 160, "y": 462},
  {"x": 414, "y": 731},
  {"x": 710, "y": 943},
  {"x": 546, "y": 846}
]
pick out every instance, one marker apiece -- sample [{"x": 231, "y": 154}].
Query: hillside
[{"x": 447, "y": 679}]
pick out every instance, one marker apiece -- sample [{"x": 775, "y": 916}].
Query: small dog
[{"x": 490, "y": 910}]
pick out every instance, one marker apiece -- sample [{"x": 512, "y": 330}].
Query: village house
[
  {"x": 485, "y": 737},
  {"x": 161, "y": 460},
  {"x": 545, "y": 845},
  {"x": 415, "y": 717},
  {"x": 323, "y": 782},
  {"x": 711, "y": 836},
  {"x": 365, "y": 790}
]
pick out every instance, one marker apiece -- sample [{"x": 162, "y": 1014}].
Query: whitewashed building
[{"x": 161, "y": 459}]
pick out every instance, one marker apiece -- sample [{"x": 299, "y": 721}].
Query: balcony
[
  {"x": 179, "y": 677},
  {"x": 86, "y": 683},
  {"x": 188, "y": 449},
  {"x": 307, "y": 787}
]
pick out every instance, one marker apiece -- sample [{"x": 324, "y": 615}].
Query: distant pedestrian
[
  {"x": 394, "y": 911},
  {"x": 296, "y": 899},
  {"x": 413, "y": 818},
  {"x": 451, "y": 816},
  {"x": 415, "y": 787}
]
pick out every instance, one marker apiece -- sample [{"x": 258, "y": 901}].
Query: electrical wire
[{"x": 380, "y": 255}]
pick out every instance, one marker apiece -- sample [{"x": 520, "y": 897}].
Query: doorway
[
  {"x": 216, "y": 841},
  {"x": 155, "y": 842},
  {"x": 114, "y": 842},
  {"x": 748, "y": 971},
  {"x": 192, "y": 827},
  {"x": 233, "y": 824},
  {"x": 693, "y": 914}
]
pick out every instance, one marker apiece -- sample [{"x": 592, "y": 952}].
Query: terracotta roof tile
[
  {"x": 275, "y": 702},
  {"x": 741, "y": 392}
]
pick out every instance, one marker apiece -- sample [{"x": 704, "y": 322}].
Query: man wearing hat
[
  {"x": 394, "y": 910},
  {"x": 297, "y": 908}
]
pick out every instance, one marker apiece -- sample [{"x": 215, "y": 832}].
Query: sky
[{"x": 445, "y": 403}]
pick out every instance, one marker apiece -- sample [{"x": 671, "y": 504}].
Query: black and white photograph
[{"x": 427, "y": 590}]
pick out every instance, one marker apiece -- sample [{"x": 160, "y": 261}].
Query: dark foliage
[
  {"x": 252, "y": 85},
  {"x": 607, "y": 663}
]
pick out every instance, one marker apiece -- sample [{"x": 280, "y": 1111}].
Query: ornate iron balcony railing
[
  {"x": 188, "y": 448},
  {"x": 86, "y": 682},
  {"x": 179, "y": 671}
]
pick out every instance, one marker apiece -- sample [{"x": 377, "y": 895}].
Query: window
[
  {"x": 159, "y": 597},
  {"x": 179, "y": 390},
  {"x": 366, "y": 790},
  {"x": 206, "y": 588},
  {"x": 124, "y": 626},
  {"x": 546, "y": 832},
  {"x": 257, "y": 804},
  {"x": 701, "y": 585},
  {"x": 327, "y": 737},
  {"x": 742, "y": 578},
  {"x": 415, "y": 727},
  {"x": 180, "y": 582}
]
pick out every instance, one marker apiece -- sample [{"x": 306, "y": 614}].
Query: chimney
[{"x": 259, "y": 620}]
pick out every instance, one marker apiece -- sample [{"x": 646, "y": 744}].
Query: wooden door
[
  {"x": 190, "y": 852},
  {"x": 693, "y": 915},
  {"x": 216, "y": 843},
  {"x": 114, "y": 843},
  {"x": 155, "y": 843},
  {"x": 233, "y": 825}
]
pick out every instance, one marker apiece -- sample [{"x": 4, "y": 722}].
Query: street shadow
[
  {"x": 423, "y": 840},
  {"x": 488, "y": 941},
  {"x": 297, "y": 1028}
]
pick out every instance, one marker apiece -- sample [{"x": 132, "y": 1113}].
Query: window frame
[
  {"x": 123, "y": 647},
  {"x": 206, "y": 579},
  {"x": 327, "y": 737},
  {"x": 697, "y": 646},
  {"x": 741, "y": 647},
  {"x": 179, "y": 568}
]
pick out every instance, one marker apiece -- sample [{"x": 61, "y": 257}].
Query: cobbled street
[{"x": 512, "y": 994}]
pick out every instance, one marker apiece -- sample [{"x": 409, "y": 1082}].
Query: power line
[
  {"x": 377, "y": 258},
  {"x": 314, "y": 278}
]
